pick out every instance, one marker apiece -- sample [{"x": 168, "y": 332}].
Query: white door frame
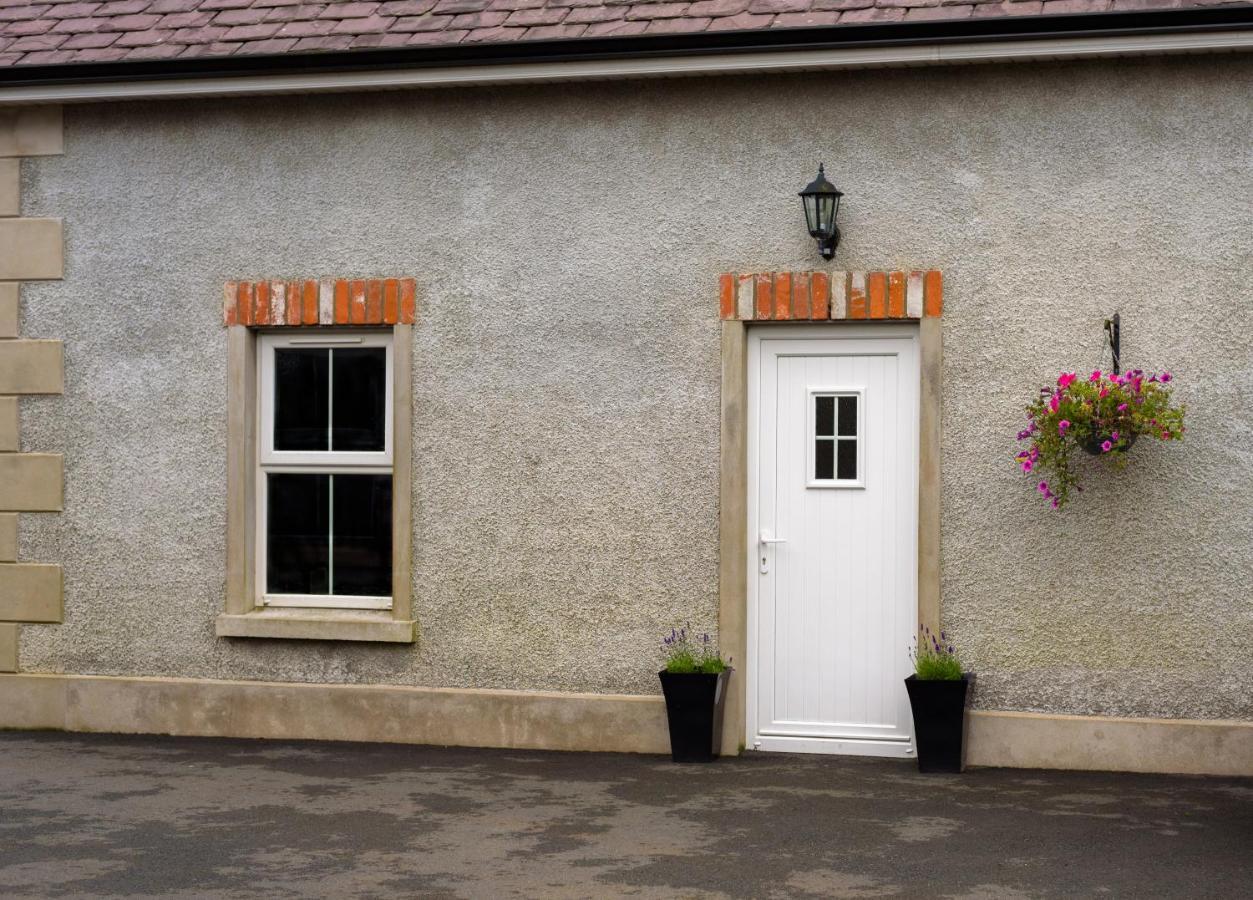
[{"x": 808, "y": 332}]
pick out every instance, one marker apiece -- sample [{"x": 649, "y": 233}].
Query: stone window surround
[{"x": 249, "y": 307}]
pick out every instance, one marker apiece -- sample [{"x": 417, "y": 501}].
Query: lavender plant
[
  {"x": 686, "y": 655},
  {"x": 934, "y": 658}
]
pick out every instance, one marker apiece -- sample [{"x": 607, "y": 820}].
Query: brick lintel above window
[{"x": 333, "y": 301}]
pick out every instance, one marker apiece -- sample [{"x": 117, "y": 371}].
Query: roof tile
[
  {"x": 494, "y": 33},
  {"x": 422, "y": 23},
  {"x": 657, "y": 10},
  {"x": 485, "y": 19},
  {"x": 602, "y": 29},
  {"x": 90, "y": 40},
  {"x": 38, "y": 42},
  {"x": 741, "y": 22},
  {"x": 585, "y": 14},
  {"x": 459, "y": 6},
  {"x": 367, "y": 25},
  {"x": 123, "y": 7},
  {"x": 135, "y": 22},
  {"x": 554, "y": 32},
  {"x": 405, "y": 7},
  {"x": 240, "y": 16},
  {"x": 536, "y": 16},
  {"x": 447, "y": 36},
  {"x": 718, "y": 7},
  {"x": 144, "y": 38},
  {"x": 810, "y": 19},
  {"x": 252, "y": 32},
  {"x": 677, "y": 25},
  {"x": 72, "y": 10}
]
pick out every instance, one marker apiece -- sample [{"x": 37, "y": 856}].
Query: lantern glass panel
[{"x": 810, "y": 202}]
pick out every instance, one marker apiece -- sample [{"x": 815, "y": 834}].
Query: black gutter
[{"x": 834, "y": 37}]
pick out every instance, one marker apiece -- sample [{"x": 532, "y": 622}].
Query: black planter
[
  {"x": 694, "y": 705},
  {"x": 939, "y": 709},
  {"x": 1093, "y": 445}
]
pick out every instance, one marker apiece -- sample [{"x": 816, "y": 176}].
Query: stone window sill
[{"x": 318, "y": 625}]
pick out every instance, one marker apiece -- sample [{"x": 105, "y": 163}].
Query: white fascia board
[{"x": 650, "y": 67}]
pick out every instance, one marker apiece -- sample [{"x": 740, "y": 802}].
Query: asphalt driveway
[{"x": 99, "y": 815}]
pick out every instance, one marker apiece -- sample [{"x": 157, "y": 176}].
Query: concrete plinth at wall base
[
  {"x": 559, "y": 721},
  {"x": 257, "y": 709},
  {"x": 1042, "y": 741}
]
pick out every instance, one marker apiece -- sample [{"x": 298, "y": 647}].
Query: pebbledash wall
[{"x": 567, "y": 244}]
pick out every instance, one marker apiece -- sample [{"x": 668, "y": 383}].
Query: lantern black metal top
[{"x": 821, "y": 200}]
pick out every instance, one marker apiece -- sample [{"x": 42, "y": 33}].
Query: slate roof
[{"x": 43, "y": 32}]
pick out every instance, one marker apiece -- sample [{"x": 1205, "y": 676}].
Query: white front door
[{"x": 833, "y": 522}]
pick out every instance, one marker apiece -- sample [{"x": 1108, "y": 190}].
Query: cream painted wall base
[
  {"x": 260, "y": 709},
  {"x": 1039, "y": 741},
  {"x": 558, "y": 721}
]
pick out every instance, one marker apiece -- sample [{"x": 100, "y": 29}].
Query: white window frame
[
  {"x": 811, "y": 428},
  {"x": 326, "y": 462}
]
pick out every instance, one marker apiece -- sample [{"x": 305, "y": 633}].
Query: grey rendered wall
[{"x": 567, "y": 242}]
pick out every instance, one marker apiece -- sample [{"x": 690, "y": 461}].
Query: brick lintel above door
[{"x": 823, "y": 296}]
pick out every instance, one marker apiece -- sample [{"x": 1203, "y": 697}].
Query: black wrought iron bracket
[{"x": 1113, "y": 328}]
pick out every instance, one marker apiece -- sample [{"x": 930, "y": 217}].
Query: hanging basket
[{"x": 1093, "y": 445}]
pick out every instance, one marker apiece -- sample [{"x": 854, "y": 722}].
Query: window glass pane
[
  {"x": 297, "y": 534},
  {"x": 824, "y": 415},
  {"x": 848, "y": 416},
  {"x": 846, "y": 461},
  {"x": 300, "y": 383},
  {"x": 824, "y": 462},
  {"x": 360, "y": 394},
  {"x": 363, "y": 535}
]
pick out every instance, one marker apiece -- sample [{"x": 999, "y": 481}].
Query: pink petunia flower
[
  {"x": 1095, "y": 376},
  {"x": 1104, "y": 392},
  {"x": 1114, "y": 436},
  {"x": 1122, "y": 407},
  {"x": 1106, "y": 446},
  {"x": 1064, "y": 380},
  {"x": 1062, "y": 426},
  {"x": 1055, "y": 503},
  {"x": 1165, "y": 378},
  {"x": 1027, "y": 465},
  {"x": 1054, "y": 403}
]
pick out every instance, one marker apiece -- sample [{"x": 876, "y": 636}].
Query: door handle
[{"x": 766, "y": 540}]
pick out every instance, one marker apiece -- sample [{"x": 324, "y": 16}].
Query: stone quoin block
[
  {"x": 30, "y": 592},
  {"x": 328, "y": 301},
  {"x": 10, "y": 187},
  {"x": 31, "y": 367},
  {"x": 8, "y": 309},
  {"x": 31, "y": 482},
  {"x": 8, "y": 647},
  {"x": 30, "y": 249},
  {"x": 8, "y": 537},
  {"x": 8, "y": 425},
  {"x": 31, "y": 131}
]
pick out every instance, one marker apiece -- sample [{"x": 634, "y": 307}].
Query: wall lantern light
[{"x": 821, "y": 200}]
